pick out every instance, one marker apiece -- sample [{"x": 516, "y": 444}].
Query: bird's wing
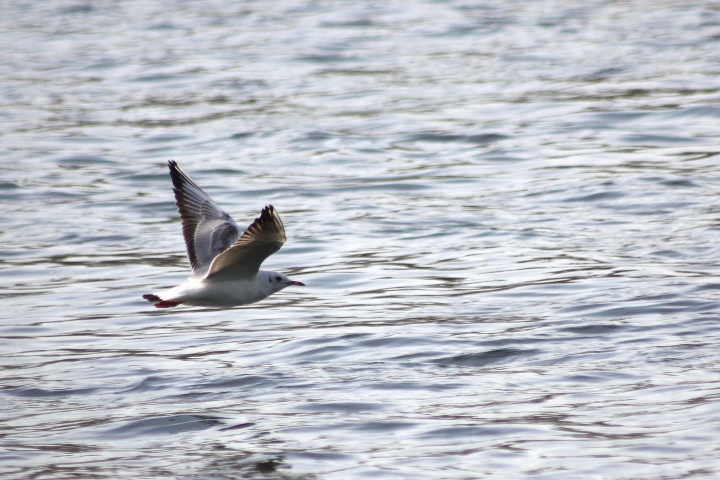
[
  {"x": 263, "y": 238},
  {"x": 208, "y": 231}
]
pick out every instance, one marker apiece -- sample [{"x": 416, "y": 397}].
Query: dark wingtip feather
[
  {"x": 176, "y": 174},
  {"x": 180, "y": 178},
  {"x": 267, "y": 221}
]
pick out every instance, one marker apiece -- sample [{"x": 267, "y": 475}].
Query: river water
[{"x": 506, "y": 215}]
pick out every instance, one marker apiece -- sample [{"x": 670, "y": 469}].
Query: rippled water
[{"x": 507, "y": 216}]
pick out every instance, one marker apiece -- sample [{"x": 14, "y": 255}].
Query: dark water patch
[
  {"x": 667, "y": 254},
  {"x": 595, "y": 329},
  {"x": 680, "y": 183},
  {"x": 339, "y": 407},
  {"x": 653, "y": 309},
  {"x": 281, "y": 192},
  {"x": 501, "y": 158},
  {"x": 587, "y": 378},
  {"x": 337, "y": 281},
  {"x": 144, "y": 178},
  {"x": 177, "y": 102},
  {"x": 483, "y": 359},
  {"x": 612, "y": 118},
  {"x": 356, "y": 23},
  {"x": 156, "y": 78},
  {"x": 240, "y": 84},
  {"x": 152, "y": 383},
  {"x": 84, "y": 161},
  {"x": 597, "y": 197},
  {"x": 325, "y": 353},
  {"x": 433, "y": 387},
  {"x": 700, "y": 111},
  {"x": 12, "y": 253},
  {"x": 315, "y": 136},
  {"x": 690, "y": 305},
  {"x": 34, "y": 392},
  {"x": 241, "y": 135},
  {"x": 225, "y": 172},
  {"x": 239, "y": 426},
  {"x": 164, "y": 425},
  {"x": 394, "y": 342},
  {"x": 372, "y": 180},
  {"x": 464, "y": 30},
  {"x": 602, "y": 74},
  {"x": 318, "y": 457},
  {"x": 384, "y": 426},
  {"x": 101, "y": 64},
  {"x": 238, "y": 383},
  {"x": 311, "y": 249},
  {"x": 74, "y": 239},
  {"x": 164, "y": 26},
  {"x": 165, "y": 138},
  {"x": 156, "y": 209},
  {"x": 468, "y": 431},
  {"x": 657, "y": 140},
  {"x": 32, "y": 331},
  {"x": 525, "y": 340},
  {"x": 78, "y": 8},
  {"x": 390, "y": 186},
  {"x": 477, "y": 139},
  {"x": 360, "y": 71},
  {"x": 12, "y": 191},
  {"x": 328, "y": 58},
  {"x": 83, "y": 139}
]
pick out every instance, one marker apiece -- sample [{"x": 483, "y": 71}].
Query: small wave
[
  {"x": 43, "y": 393},
  {"x": 657, "y": 140},
  {"x": 170, "y": 424},
  {"x": 478, "y": 139},
  {"x": 483, "y": 359},
  {"x": 84, "y": 160}
]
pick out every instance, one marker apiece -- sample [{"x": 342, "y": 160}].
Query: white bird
[{"x": 225, "y": 264}]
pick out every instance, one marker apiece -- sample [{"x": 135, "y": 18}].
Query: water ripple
[{"x": 506, "y": 216}]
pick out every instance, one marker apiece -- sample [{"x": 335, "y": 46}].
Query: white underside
[{"x": 228, "y": 293}]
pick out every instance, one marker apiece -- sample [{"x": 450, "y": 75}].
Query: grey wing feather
[
  {"x": 261, "y": 239},
  {"x": 207, "y": 229}
]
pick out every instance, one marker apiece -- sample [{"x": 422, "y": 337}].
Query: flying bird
[{"x": 225, "y": 264}]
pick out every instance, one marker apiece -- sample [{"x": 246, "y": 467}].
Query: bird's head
[{"x": 278, "y": 281}]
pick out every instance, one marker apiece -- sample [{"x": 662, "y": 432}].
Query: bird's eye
[{"x": 277, "y": 279}]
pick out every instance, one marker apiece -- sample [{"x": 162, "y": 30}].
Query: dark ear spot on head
[{"x": 269, "y": 279}]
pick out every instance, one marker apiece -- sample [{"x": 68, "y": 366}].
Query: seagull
[{"x": 225, "y": 264}]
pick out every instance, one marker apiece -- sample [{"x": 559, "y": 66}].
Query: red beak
[{"x": 299, "y": 284}]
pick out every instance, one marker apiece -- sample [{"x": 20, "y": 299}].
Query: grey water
[{"x": 506, "y": 214}]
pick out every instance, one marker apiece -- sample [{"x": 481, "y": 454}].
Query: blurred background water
[{"x": 506, "y": 214}]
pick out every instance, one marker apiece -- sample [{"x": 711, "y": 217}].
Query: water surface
[{"x": 506, "y": 216}]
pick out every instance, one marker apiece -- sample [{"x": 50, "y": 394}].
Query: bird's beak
[{"x": 299, "y": 284}]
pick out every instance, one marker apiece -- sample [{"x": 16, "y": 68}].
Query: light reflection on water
[{"x": 506, "y": 217}]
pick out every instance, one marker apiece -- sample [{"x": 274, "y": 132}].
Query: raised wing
[
  {"x": 263, "y": 238},
  {"x": 208, "y": 231}
]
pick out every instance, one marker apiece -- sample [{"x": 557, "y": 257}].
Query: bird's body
[
  {"x": 224, "y": 293},
  {"x": 226, "y": 265}
]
